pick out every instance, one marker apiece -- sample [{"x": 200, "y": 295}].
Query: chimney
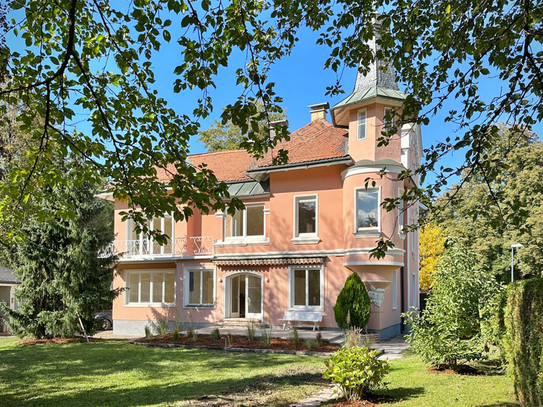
[
  {"x": 277, "y": 123},
  {"x": 319, "y": 110}
]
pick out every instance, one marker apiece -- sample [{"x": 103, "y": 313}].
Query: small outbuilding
[{"x": 8, "y": 285}]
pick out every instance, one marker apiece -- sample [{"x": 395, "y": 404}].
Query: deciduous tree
[
  {"x": 432, "y": 246},
  {"x": 488, "y": 214},
  {"x": 228, "y": 136},
  {"x": 96, "y": 57}
]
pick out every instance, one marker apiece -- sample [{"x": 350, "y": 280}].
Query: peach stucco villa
[{"x": 306, "y": 226}]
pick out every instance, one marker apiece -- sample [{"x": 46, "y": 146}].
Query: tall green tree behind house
[
  {"x": 500, "y": 205},
  {"x": 228, "y": 136},
  {"x": 62, "y": 261}
]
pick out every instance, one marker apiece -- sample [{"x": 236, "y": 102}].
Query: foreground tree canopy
[{"x": 95, "y": 58}]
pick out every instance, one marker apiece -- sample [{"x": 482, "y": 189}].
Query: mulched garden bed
[
  {"x": 238, "y": 342},
  {"x": 56, "y": 341},
  {"x": 372, "y": 400}
]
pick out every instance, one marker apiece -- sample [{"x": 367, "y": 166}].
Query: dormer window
[{"x": 361, "y": 124}]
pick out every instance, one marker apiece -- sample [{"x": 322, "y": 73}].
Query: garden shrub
[
  {"x": 175, "y": 334},
  {"x": 295, "y": 336},
  {"x": 448, "y": 332},
  {"x": 266, "y": 335},
  {"x": 215, "y": 334},
  {"x": 251, "y": 330},
  {"x": 356, "y": 371},
  {"x": 162, "y": 326},
  {"x": 352, "y": 307},
  {"x": 353, "y": 337},
  {"x": 524, "y": 340}
]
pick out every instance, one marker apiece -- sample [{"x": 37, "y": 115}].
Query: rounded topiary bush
[{"x": 352, "y": 307}]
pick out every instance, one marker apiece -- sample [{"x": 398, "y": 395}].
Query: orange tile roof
[
  {"x": 227, "y": 165},
  {"x": 317, "y": 140}
]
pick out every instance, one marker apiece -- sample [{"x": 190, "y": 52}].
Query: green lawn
[
  {"x": 119, "y": 374},
  {"x": 411, "y": 384}
]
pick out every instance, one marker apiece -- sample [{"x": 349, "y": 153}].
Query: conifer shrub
[
  {"x": 524, "y": 340},
  {"x": 352, "y": 307}
]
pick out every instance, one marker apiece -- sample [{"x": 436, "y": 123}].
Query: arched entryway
[{"x": 244, "y": 295}]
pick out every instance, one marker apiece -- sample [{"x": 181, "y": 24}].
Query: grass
[
  {"x": 119, "y": 374},
  {"x": 411, "y": 384},
  {"x": 112, "y": 373}
]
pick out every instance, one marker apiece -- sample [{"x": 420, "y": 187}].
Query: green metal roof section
[
  {"x": 370, "y": 93},
  {"x": 249, "y": 188}
]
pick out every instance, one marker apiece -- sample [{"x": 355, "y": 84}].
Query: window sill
[
  {"x": 203, "y": 306},
  {"x": 150, "y": 304},
  {"x": 305, "y": 240},
  {"x": 367, "y": 233},
  {"x": 243, "y": 242}
]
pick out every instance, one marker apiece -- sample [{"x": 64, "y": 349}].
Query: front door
[
  {"x": 253, "y": 297},
  {"x": 245, "y": 296}
]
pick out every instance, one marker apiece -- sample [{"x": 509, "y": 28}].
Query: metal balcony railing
[{"x": 147, "y": 248}]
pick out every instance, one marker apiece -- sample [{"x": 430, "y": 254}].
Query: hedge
[{"x": 524, "y": 340}]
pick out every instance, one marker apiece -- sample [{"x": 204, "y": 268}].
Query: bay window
[{"x": 368, "y": 210}]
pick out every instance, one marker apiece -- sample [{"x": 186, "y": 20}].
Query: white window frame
[
  {"x": 291, "y": 290},
  {"x": 305, "y": 238},
  {"x": 395, "y": 289},
  {"x": 379, "y": 200},
  {"x": 386, "y": 124},
  {"x": 150, "y": 241},
  {"x": 186, "y": 287},
  {"x": 401, "y": 213},
  {"x": 359, "y": 114},
  {"x": 244, "y": 236},
  {"x": 152, "y": 272}
]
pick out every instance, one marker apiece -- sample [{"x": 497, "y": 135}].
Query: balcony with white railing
[{"x": 146, "y": 248}]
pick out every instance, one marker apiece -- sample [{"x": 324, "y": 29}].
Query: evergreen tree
[
  {"x": 352, "y": 307},
  {"x": 64, "y": 269}
]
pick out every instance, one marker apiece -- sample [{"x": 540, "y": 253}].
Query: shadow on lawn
[
  {"x": 403, "y": 393},
  {"x": 500, "y": 405},
  {"x": 128, "y": 375}
]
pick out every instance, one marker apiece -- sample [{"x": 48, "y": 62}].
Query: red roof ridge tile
[{"x": 208, "y": 153}]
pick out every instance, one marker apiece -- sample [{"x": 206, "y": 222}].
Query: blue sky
[{"x": 301, "y": 81}]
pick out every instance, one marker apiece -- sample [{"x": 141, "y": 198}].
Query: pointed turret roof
[{"x": 379, "y": 81}]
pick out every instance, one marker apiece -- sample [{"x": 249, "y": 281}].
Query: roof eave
[{"x": 288, "y": 167}]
